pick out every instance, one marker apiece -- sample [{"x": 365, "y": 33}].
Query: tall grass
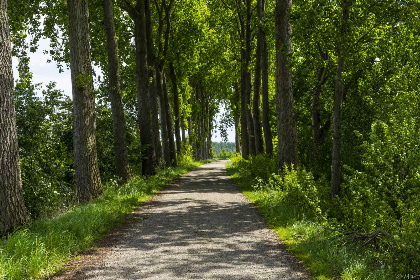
[{"x": 43, "y": 247}]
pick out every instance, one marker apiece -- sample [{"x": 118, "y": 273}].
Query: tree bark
[
  {"x": 169, "y": 123},
  {"x": 163, "y": 117},
  {"x": 264, "y": 68},
  {"x": 87, "y": 179},
  {"x": 248, "y": 78},
  {"x": 244, "y": 124},
  {"x": 184, "y": 139},
  {"x": 143, "y": 98},
  {"x": 338, "y": 102},
  {"x": 286, "y": 124},
  {"x": 122, "y": 167},
  {"x": 318, "y": 130},
  {"x": 152, "y": 86},
  {"x": 12, "y": 207},
  {"x": 190, "y": 128},
  {"x": 259, "y": 144},
  {"x": 176, "y": 107},
  {"x": 237, "y": 113}
]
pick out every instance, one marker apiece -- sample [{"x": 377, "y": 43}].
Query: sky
[{"x": 44, "y": 73}]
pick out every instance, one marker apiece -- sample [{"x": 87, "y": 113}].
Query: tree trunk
[
  {"x": 163, "y": 119},
  {"x": 122, "y": 167},
  {"x": 190, "y": 129},
  {"x": 176, "y": 107},
  {"x": 338, "y": 102},
  {"x": 237, "y": 115},
  {"x": 318, "y": 130},
  {"x": 248, "y": 78},
  {"x": 184, "y": 140},
  {"x": 12, "y": 206},
  {"x": 244, "y": 123},
  {"x": 143, "y": 98},
  {"x": 169, "y": 123},
  {"x": 87, "y": 179},
  {"x": 265, "y": 100},
  {"x": 259, "y": 144},
  {"x": 152, "y": 86},
  {"x": 286, "y": 123},
  {"x": 209, "y": 129}
]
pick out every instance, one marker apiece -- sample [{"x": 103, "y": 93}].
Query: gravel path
[{"x": 200, "y": 228}]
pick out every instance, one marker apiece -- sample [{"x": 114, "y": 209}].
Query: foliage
[
  {"x": 309, "y": 237},
  {"x": 224, "y": 150},
  {"x": 42, "y": 248},
  {"x": 368, "y": 219},
  {"x": 45, "y": 147},
  {"x": 187, "y": 154}
]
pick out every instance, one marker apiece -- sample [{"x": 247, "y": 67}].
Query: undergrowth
[
  {"x": 299, "y": 209},
  {"x": 43, "y": 247}
]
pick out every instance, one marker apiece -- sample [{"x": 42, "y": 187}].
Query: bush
[{"x": 298, "y": 187}]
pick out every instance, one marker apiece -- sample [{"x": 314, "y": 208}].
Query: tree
[
  {"x": 119, "y": 126},
  {"x": 338, "y": 102},
  {"x": 87, "y": 179},
  {"x": 143, "y": 96},
  {"x": 176, "y": 106},
  {"x": 12, "y": 207},
  {"x": 264, "y": 69},
  {"x": 259, "y": 144},
  {"x": 286, "y": 123}
]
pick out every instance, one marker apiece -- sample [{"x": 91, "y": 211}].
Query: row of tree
[
  {"x": 135, "y": 68},
  {"x": 336, "y": 46},
  {"x": 317, "y": 102}
]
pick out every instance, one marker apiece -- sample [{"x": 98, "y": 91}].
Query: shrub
[
  {"x": 298, "y": 187},
  {"x": 262, "y": 166}
]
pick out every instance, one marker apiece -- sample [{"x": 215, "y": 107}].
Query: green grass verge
[
  {"x": 325, "y": 255},
  {"x": 43, "y": 247}
]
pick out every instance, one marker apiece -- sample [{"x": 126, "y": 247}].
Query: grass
[
  {"x": 325, "y": 255},
  {"x": 42, "y": 248}
]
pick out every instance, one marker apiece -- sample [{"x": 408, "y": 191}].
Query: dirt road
[{"x": 200, "y": 228}]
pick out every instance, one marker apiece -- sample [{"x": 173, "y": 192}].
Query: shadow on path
[{"x": 200, "y": 228}]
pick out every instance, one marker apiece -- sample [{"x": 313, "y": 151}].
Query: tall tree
[
  {"x": 286, "y": 123},
  {"x": 143, "y": 97},
  {"x": 259, "y": 145},
  {"x": 245, "y": 140},
  {"x": 120, "y": 143},
  {"x": 172, "y": 74},
  {"x": 248, "y": 77},
  {"x": 12, "y": 206},
  {"x": 264, "y": 69},
  {"x": 152, "y": 87},
  {"x": 164, "y": 21},
  {"x": 169, "y": 123},
  {"x": 87, "y": 179},
  {"x": 338, "y": 101},
  {"x": 237, "y": 115}
]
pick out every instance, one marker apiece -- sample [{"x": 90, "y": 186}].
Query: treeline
[
  {"x": 219, "y": 146},
  {"x": 151, "y": 107},
  {"x": 330, "y": 89}
]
